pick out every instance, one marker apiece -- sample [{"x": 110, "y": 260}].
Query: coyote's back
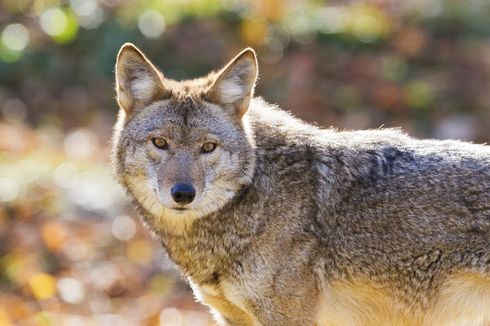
[
  {"x": 416, "y": 218},
  {"x": 277, "y": 222}
]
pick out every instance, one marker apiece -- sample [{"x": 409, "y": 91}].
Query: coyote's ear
[
  {"x": 138, "y": 82},
  {"x": 235, "y": 83}
]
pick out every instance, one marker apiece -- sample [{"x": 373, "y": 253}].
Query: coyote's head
[{"x": 183, "y": 149}]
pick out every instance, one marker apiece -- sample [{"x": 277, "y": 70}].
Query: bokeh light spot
[
  {"x": 151, "y": 23},
  {"x": 84, "y": 7},
  {"x": 171, "y": 317},
  {"x": 71, "y": 290},
  {"x": 89, "y": 14},
  {"x": 9, "y": 189},
  {"x": 15, "y": 37},
  {"x": 368, "y": 23},
  {"x": 76, "y": 249},
  {"x": 42, "y": 285},
  {"x": 4, "y": 317},
  {"x": 104, "y": 275},
  {"x": 54, "y": 235},
  {"x": 332, "y": 20},
  {"x": 123, "y": 228},
  {"x": 80, "y": 144},
  {"x": 418, "y": 94},
  {"x": 59, "y": 23},
  {"x": 54, "y": 21},
  {"x": 253, "y": 31},
  {"x": 66, "y": 175}
]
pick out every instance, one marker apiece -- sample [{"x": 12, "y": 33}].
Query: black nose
[{"x": 183, "y": 193}]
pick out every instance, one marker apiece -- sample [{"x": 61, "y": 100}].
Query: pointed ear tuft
[
  {"x": 138, "y": 82},
  {"x": 235, "y": 83}
]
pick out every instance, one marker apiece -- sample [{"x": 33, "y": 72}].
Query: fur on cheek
[
  {"x": 141, "y": 189},
  {"x": 221, "y": 182},
  {"x": 226, "y": 167}
]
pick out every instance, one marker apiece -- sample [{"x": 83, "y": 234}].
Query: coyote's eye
[
  {"x": 208, "y": 147},
  {"x": 160, "y": 143}
]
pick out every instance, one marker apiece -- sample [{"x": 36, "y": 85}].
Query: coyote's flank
[{"x": 277, "y": 222}]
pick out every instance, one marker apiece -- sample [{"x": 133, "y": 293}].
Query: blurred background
[{"x": 71, "y": 250}]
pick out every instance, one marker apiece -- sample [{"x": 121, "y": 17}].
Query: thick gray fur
[{"x": 322, "y": 208}]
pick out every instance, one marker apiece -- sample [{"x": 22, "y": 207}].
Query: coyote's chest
[
  {"x": 217, "y": 276},
  {"x": 196, "y": 261}
]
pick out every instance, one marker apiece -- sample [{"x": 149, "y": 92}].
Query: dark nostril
[{"x": 183, "y": 193}]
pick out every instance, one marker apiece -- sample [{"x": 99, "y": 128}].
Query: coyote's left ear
[
  {"x": 235, "y": 83},
  {"x": 138, "y": 82}
]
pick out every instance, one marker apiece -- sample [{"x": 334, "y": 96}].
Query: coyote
[{"x": 274, "y": 221}]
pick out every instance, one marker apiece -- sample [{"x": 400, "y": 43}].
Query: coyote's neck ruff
[{"x": 277, "y": 222}]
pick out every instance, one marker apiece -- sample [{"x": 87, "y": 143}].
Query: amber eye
[
  {"x": 159, "y": 143},
  {"x": 208, "y": 147}
]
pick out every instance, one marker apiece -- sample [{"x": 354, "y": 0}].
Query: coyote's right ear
[
  {"x": 235, "y": 83},
  {"x": 138, "y": 82}
]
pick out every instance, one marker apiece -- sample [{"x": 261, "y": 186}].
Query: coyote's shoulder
[{"x": 278, "y": 222}]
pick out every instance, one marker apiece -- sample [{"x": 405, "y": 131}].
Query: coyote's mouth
[{"x": 180, "y": 209}]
